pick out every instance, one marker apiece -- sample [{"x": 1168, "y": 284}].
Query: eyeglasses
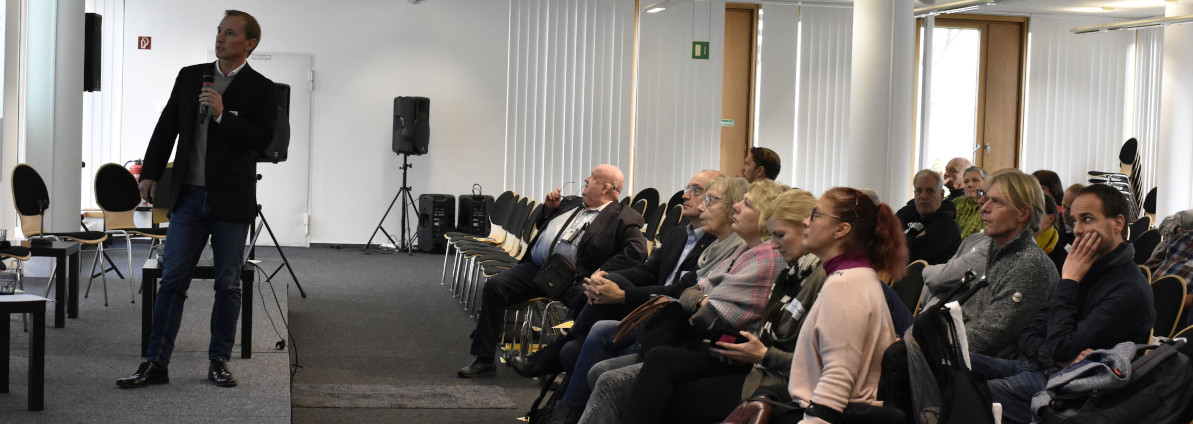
[
  {"x": 709, "y": 199},
  {"x": 694, "y": 190},
  {"x": 817, "y": 213}
]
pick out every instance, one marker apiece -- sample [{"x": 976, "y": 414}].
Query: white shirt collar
[{"x": 234, "y": 71}]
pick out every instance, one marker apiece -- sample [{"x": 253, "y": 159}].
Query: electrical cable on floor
[{"x": 294, "y": 366}]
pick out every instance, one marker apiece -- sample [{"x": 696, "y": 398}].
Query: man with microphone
[{"x": 223, "y": 116}]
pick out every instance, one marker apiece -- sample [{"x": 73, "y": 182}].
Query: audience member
[
  {"x": 760, "y": 163},
  {"x": 595, "y": 232},
  {"x": 969, "y": 218},
  {"x": 715, "y": 209},
  {"x": 1067, "y": 203},
  {"x": 1051, "y": 241},
  {"x": 732, "y": 297},
  {"x": 613, "y": 295},
  {"x": 1050, "y": 184},
  {"x": 1021, "y": 276},
  {"x": 1170, "y": 228},
  {"x": 1174, "y": 255},
  {"x": 1102, "y": 300},
  {"x": 953, "y": 177},
  {"x": 838, "y": 355},
  {"x": 931, "y": 231},
  {"x": 667, "y": 368}
]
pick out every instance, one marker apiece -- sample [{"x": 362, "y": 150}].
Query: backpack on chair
[{"x": 1152, "y": 388}]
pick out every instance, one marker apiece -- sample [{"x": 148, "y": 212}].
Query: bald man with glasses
[{"x": 613, "y": 295}]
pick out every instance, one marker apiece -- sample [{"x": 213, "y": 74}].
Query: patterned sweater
[{"x": 739, "y": 288}]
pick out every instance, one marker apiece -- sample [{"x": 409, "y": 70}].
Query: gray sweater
[{"x": 1021, "y": 281}]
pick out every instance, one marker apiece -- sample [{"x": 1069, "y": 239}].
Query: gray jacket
[{"x": 1021, "y": 281}]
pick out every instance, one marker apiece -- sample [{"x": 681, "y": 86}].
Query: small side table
[
  {"x": 36, "y": 305},
  {"x": 66, "y": 277},
  {"x": 203, "y": 270}
]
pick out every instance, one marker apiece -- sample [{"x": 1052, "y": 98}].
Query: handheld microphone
[{"x": 208, "y": 82}]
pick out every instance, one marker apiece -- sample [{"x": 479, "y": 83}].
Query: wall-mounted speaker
[{"x": 92, "y": 39}]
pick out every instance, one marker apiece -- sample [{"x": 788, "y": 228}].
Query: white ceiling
[{"x": 1122, "y": 9}]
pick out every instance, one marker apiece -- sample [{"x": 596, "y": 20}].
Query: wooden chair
[
  {"x": 1147, "y": 273},
  {"x": 910, "y": 287},
  {"x": 1145, "y": 244},
  {"x": 1168, "y": 293},
  {"x": 32, "y": 200}
]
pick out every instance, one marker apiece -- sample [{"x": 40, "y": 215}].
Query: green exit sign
[{"x": 700, "y": 50}]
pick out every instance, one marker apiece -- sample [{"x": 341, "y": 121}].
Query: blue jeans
[
  {"x": 191, "y": 223},
  {"x": 598, "y": 346},
  {"x": 1012, "y": 383}
]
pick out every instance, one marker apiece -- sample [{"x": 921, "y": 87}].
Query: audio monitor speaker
[
  {"x": 436, "y": 214},
  {"x": 412, "y": 128}
]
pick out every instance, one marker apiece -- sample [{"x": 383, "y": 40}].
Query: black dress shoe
[
  {"x": 543, "y": 362},
  {"x": 477, "y": 368},
  {"x": 219, "y": 373},
  {"x": 148, "y": 373}
]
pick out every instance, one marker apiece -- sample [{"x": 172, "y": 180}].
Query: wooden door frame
[
  {"x": 753, "y": 87},
  {"x": 982, "y": 22}
]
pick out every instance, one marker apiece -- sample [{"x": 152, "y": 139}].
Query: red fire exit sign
[{"x": 144, "y": 43}]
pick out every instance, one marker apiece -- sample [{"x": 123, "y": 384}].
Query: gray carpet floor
[
  {"x": 378, "y": 340},
  {"x": 383, "y": 325},
  {"x": 84, "y": 360}
]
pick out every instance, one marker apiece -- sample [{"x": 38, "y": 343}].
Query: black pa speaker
[
  {"x": 92, "y": 38},
  {"x": 474, "y": 214},
  {"x": 276, "y": 151},
  {"x": 412, "y": 127},
  {"x": 436, "y": 213}
]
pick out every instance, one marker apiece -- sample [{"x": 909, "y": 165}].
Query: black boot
[{"x": 544, "y": 362}]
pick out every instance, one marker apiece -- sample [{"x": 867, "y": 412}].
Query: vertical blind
[
  {"x": 1077, "y": 107},
  {"x": 568, "y": 93},
  {"x": 1149, "y": 67},
  {"x": 822, "y": 97},
  {"x": 679, "y": 98}
]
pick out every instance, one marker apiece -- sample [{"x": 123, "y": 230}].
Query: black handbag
[
  {"x": 555, "y": 276},
  {"x": 559, "y": 272}
]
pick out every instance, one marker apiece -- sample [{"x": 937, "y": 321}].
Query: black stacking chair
[
  {"x": 676, "y": 199},
  {"x": 31, "y": 198},
  {"x": 1168, "y": 293},
  {"x": 1145, "y": 244},
  {"x": 117, "y": 193},
  {"x": 640, "y": 207},
  {"x": 910, "y": 287},
  {"x": 651, "y": 196},
  {"x": 1138, "y": 227}
]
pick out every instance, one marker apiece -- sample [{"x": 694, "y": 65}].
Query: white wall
[{"x": 366, "y": 53}]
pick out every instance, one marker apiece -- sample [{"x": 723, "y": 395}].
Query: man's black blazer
[
  {"x": 613, "y": 241},
  {"x": 651, "y": 277},
  {"x": 233, "y": 145}
]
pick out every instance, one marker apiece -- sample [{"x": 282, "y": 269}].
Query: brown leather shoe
[{"x": 148, "y": 373}]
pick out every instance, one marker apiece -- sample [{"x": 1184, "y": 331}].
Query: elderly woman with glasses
[
  {"x": 716, "y": 216},
  {"x": 729, "y": 299}
]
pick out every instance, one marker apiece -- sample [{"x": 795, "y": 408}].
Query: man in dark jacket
[
  {"x": 596, "y": 233},
  {"x": 220, "y": 116},
  {"x": 613, "y": 295},
  {"x": 1101, "y": 300},
  {"x": 932, "y": 232}
]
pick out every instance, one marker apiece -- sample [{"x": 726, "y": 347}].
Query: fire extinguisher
[{"x": 135, "y": 169}]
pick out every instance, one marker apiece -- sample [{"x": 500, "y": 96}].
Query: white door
[{"x": 284, "y": 187}]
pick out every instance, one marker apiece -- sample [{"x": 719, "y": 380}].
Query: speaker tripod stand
[
  {"x": 253, "y": 248},
  {"x": 405, "y": 242}
]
